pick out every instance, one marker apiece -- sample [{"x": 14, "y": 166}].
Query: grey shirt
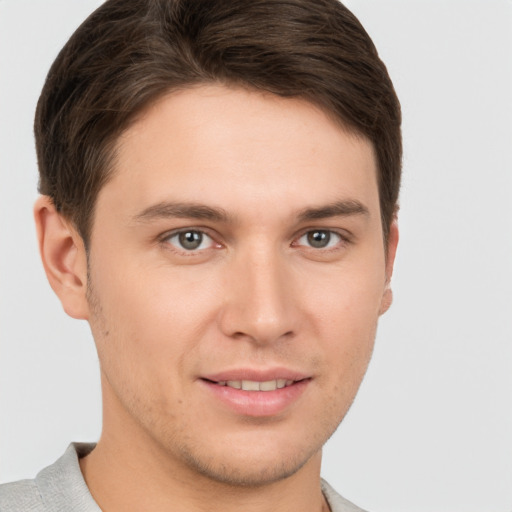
[{"x": 62, "y": 488}]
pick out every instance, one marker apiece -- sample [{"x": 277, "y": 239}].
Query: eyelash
[
  {"x": 166, "y": 239},
  {"x": 342, "y": 240}
]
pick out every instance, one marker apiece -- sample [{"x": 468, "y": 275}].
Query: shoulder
[
  {"x": 56, "y": 488},
  {"x": 336, "y": 502},
  {"x": 22, "y": 496}
]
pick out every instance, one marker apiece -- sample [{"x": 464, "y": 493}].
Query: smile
[
  {"x": 256, "y": 397},
  {"x": 253, "y": 385}
]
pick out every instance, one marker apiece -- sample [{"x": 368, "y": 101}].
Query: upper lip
[{"x": 256, "y": 375}]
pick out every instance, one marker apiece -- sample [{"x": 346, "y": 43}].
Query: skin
[{"x": 263, "y": 173}]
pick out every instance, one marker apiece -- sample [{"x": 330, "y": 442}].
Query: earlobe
[
  {"x": 386, "y": 301},
  {"x": 64, "y": 259},
  {"x": 387, "y": 296}
]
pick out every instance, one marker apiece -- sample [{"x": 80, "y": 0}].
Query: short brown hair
[{"x": 128, "y": 53}]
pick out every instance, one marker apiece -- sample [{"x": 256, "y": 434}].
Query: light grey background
[{"x": 431, "y": 430}]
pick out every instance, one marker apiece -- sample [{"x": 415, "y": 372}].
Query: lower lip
[{"x": 257, "y": 403}]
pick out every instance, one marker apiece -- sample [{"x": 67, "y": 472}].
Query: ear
[
  {"x": 387, "y": 296},
  {"x": 64, "y": 259}
]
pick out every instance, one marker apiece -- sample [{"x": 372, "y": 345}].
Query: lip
[
  {"x": 256, "y": 403},
  {"x": 260, "y": 375}
]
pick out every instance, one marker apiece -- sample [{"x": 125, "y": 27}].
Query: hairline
[{"x": 111, "y": 148}]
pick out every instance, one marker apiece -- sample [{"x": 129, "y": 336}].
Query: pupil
[
  {"x": 319, "y": 239},
  {"x": 190, "y": 239}
]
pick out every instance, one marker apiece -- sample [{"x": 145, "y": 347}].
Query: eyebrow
[
  {"x": 337, "y": 209},
  {"x": 198, "y": 211},
  {"x": 182, "y": 210}
]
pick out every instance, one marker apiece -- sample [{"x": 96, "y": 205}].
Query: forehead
[{"x": 237, "y": 149}]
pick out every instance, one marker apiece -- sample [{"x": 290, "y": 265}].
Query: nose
[{"x": 259, "y": 302}]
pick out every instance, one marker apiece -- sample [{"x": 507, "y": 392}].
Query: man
[{"x": 219, "y": 186}]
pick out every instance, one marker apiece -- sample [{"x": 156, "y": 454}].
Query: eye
[
  {"x": 320, "y": 239},
  {"x": 190, "y": 240}
]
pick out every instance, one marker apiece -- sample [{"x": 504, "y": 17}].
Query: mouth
[
  {"x": 254, "y": 385},
  {"x": 257, "y": 394}
]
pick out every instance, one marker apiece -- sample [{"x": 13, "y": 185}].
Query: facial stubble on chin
[
  {"x": 192, "y": 455},
  {"x": 285, "y": 468}
]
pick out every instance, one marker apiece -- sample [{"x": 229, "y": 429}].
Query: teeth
[
  {"x": 251, "y": 385},
  {"x": 270, "y": 385}
]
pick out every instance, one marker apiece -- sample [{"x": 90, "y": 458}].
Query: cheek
[
  {"x": 345, "y": 317},
  {"x": 347, "y": 300},
  {"x": 150, "y": 315}
]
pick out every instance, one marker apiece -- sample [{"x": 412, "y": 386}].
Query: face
[{"x": 236, "y": 273}]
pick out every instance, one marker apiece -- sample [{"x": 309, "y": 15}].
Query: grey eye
[
  {"x": 190, "y": 240},
  {"x": 318, "y": 239}
]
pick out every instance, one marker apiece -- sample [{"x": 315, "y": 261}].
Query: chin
[
  {"x": 251, "y": 461},
  {"x": 247, "y": 472}
]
